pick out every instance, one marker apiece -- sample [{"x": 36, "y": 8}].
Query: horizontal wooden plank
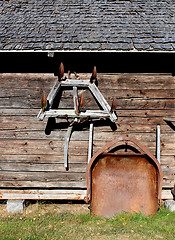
[
  {"x": 42, "y": 176},
  {"x": 59, "y": 184},
  {"x": 14, "y": 123},
  {"x": 60, "y": 194},
  {"x": 48, "y": 76},
  {"x": 132, "y": 103},
  {"x": 73, "y": 168},
  {"x": 121, "y": 112},
  {"x": 19, "y": 112},
  {"x": 119, "y": 93},
  {"x": 40, "y": 134},
  {"x": 167, "y": 160},
  {"x": 118, "y": 83},
  {"x": 40, "y": 194},
  {"x": 27, "y": 80},
  {"x": 168, "y": 184},
  {"x": 19, "y": 118},
  {"x": 94, "y": 114},
  {"x": 17, "y": 131},
  {"x": 39, "y": 184},
  {"x": 168, "y": 170},
  {"x": 35, "y": 184},
  {"x": 47, "y": 167},
  {"x": 168, "y": 180},
  {"x": 33, "y": 95},
  {"x": 36, "y": 130},
  {"x": 31, "y": 122},
  {"x": 136, "y": 78},
  {"x": 53, "y": 147},
  {"x": 143, "y": 93},
  {"x": 40, "y": 147},
  {"x": 41, "y": 80},
  {"x": 41, "y": 159},
  {"x": 55, "y": 159},
  {"x": 19, "y": 125},
  {"x": 166, "y": 194}
]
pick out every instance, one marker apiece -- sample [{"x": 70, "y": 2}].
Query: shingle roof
[{"x": 134, "y": 25}]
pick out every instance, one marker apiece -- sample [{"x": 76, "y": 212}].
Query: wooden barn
[{"x": 132, "y": 44}]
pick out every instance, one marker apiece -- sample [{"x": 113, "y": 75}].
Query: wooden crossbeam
[
  {"x": 75, "y": 84},
  {"x": 70, "y": 113}
]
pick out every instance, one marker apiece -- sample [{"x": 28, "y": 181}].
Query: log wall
[{"x": 32, "y": 162}]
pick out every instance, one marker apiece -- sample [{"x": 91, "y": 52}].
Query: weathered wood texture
[
  {"x": 43, "y": 194},
  {"x": 31, "y": 159}
]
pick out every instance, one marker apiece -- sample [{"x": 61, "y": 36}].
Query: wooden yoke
[
  {"x": 93, "y": 114},
  {"x": 78, "y": 114}
]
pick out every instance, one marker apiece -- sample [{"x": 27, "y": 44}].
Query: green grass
[{"x": 51, "y": 224}]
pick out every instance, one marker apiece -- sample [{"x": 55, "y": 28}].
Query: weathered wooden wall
[{"x": 29, "y": 159}]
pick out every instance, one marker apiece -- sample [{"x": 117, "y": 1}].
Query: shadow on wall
[{"x": 39, "y": 62}]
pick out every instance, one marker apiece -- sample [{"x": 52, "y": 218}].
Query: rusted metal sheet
[{"x": 130, "y": 182}]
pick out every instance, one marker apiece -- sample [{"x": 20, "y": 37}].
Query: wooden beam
[
  {"x": 53, "y": 92},
  {"x": 166, "y": 194},
  {"x": 75, "y": 99},
  {"x": 66, "y": 146},
  {"x": 158, "y": 143},
  {"x": 56, "y": 87},
  {"x": 75, "y": 83},
  {"x": 44, "y": 185},
  {"x": 57, "y": 194},
  {"x": 71, "y": 113},
  {"x": 60, "y": 194},
  {"x": 90, "y": 150},
  {"x": 102, "y": 101}
]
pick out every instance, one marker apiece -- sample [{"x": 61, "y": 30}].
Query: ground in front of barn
[{"x": 51, "y": 220}]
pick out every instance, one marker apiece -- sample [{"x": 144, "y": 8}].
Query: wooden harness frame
[{"x": 71, "y": 113}]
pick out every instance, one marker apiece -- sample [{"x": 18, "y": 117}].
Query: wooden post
[
  {"x": 75, "y": 100},
  {"x": 66, "y": 146},
  {"x": 102, "y": 101},
  {"x": 90, "y": 150},
  {"x": 55, "y": 89},
  {"x": 158, "y": 143}
]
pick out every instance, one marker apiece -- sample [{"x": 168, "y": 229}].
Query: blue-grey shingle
[{"x": 87, "y": 25}]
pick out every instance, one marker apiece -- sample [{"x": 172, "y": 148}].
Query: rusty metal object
[
  {"x": 43, "y": 101},
  {"x": 114, "y": 105},
  {"x": 128, "y": 181},
  {"x": 94, "y": 76},
  {"x": 61, "y": 72}
]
